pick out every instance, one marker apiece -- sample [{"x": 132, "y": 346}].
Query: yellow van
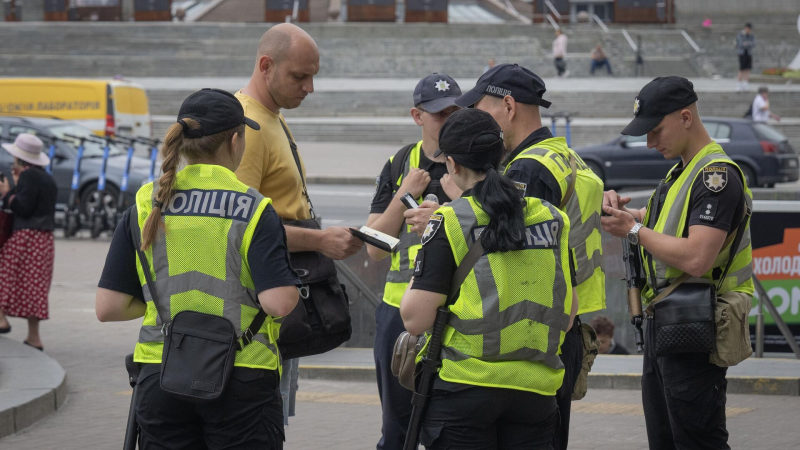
[{"x": 107, "y": 107}]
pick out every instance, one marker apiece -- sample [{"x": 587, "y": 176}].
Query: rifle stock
[
  {"x": 132, "y": 428},
  {"x": 430, "y": 364},
  {"x": 635, "y": 280}
]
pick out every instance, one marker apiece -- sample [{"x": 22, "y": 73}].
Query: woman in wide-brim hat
[{"x": 26, "y": 259}]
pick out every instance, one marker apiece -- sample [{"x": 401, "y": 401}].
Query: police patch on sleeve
[
  {"x": 709, "y": 212},
  {"x": 715, "y": 178},
  {"x": 523, "y": 187},
  {"x": 433, "y": 226},
  {"x": 418, "y": 264}
]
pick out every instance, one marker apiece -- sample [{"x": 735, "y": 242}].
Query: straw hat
[{"x": 28, "y": 148}]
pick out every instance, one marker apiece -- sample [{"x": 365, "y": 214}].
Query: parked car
[
  {"x": 63, "y": 162},
  {"x": 763, "y": 153}
]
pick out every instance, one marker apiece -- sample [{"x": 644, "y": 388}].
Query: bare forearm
[
  {"x": 113, "y": 306},
  {"x": 302, "y": 239},
  {"x": 694, "y": 254}
]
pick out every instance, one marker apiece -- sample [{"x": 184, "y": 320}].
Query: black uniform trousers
[
  {"x": 395, "y": 399},
  {"x": 684, "y": 399},
  {"x": 572, "y": 357},
  {"x": 248, "y": 415},
  {"x": 484, "y": 418}
]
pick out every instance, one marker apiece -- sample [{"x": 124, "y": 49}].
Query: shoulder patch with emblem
[
  {"x": 715, "y": 178},
  {"x": 434, "y": 223},
  {"x": 523, "y": 187}
]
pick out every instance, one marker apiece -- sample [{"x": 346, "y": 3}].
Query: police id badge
[
  {"x": 433, "y": 226},
  {"x": 715, "y": 178},
  {"x": 521, "y": 187}
]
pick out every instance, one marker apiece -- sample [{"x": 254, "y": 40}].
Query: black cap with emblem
[
  {"x": 436, "y": 92},
  {"x": 507, "y": 79},
  {"x": 658, "y": 98}
]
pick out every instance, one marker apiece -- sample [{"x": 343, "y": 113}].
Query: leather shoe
[{"x": 41, "y": 349}]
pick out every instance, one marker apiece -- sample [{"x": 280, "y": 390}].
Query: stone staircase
[{"x": 368, "y": 70}]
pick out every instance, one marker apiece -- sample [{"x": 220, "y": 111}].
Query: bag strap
[
  {"x": 293, "y": 146},
  {"x": 571, "y": 187},
  {"x": 733, "y": 239},
  {"x": 475, "y": 252},
  {"x": 398, "y": 162},
  {"x": 242, "y": 340}
]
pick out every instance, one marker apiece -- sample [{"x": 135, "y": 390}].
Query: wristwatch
[{"x": 633, "y": 235}]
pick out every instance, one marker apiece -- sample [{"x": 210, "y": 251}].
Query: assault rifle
[
  {"x": 132, "y": 428},
  {"x": 634, "y": 278},
  {"x": 430, "y": 365},
  {"x": 433, "y": 358}
]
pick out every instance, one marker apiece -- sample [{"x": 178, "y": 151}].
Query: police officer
[
  {"x": 544, "y": 167},
  {"x": 216, "y": 246},
  {"x": 413, "y": 169},
  {"x": 683, "y": 230},
  {"x": 500, "y": 366}
]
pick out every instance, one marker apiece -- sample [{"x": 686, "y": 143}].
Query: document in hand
[{"x": 376, "y": 238}]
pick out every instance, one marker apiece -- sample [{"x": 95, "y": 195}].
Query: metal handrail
[
  {"x": 764, "y": 300},
  {"x": 599, "y": 22},
  {"x": 552, "y": 9},
  {"x": 691, "y": 41},
  {"x": 552, "y": 22},
  {"x": 628, "y": 38},
  {"x": 360, "y": 286}
]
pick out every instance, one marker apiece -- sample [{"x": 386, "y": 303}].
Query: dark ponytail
[{"x": 500, "y": 199}]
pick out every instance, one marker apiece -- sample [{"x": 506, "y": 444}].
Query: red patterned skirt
[{"x": 26, "y": 270}]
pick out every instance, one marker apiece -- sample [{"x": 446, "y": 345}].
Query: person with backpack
[{"x": 413, "y": 169}]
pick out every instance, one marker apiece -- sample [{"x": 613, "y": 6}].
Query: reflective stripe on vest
[
  {"x": 401, "y": 270},
  {"x": 194, "y": 272},
  {"x": 508, "y": 322},
  {"x": 584, "y": 209},
  {"x": 673, "y": 223}
]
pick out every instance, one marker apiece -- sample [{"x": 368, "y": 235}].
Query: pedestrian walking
[
  {"x": 543, "y": 166},
  {"x": 496, "y": 385},
  {"x": 286, "y": 62},
  {"x": 413, "y": 169},
  {"x": 745, "y": 43},
  {"x": 695, "y": 225},
  {"x": 559, "y": 53},
  {"x": 760, "y": 110},
  {"x": 26, "y": 258},
  {"x": 179, "y": 233}
]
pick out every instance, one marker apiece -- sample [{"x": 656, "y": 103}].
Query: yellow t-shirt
[{"x": 268, "y": 164}]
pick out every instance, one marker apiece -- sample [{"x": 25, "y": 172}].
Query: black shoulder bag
[
  {"x": 199, "y": 349},
  {"x": 683, "y": 313},
  {"x": 321, "y": 320}
]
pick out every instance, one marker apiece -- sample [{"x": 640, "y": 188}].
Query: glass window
[
  {"x": 635, "y": 141},
  {"x": 768, "y": 133}
]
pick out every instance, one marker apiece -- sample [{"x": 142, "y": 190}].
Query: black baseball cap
[
  {"x": 507, "y": 79},
  {"x": 471, "y": 135},
  {"x": 216, "y": 110},
  {"x": 658, "y": 98},
  {"x": 436, "y": 92}
]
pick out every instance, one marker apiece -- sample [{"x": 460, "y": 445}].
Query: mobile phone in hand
[{"x": 409, "y": 201}]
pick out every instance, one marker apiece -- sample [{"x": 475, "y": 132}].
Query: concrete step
[
  {"x": 402, "y": 130},
  {"x": 393, "y": 97},
  {"x": 225, "y": 49}
]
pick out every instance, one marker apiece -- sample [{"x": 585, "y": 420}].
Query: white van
[{"x": 107, "y": 107}]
